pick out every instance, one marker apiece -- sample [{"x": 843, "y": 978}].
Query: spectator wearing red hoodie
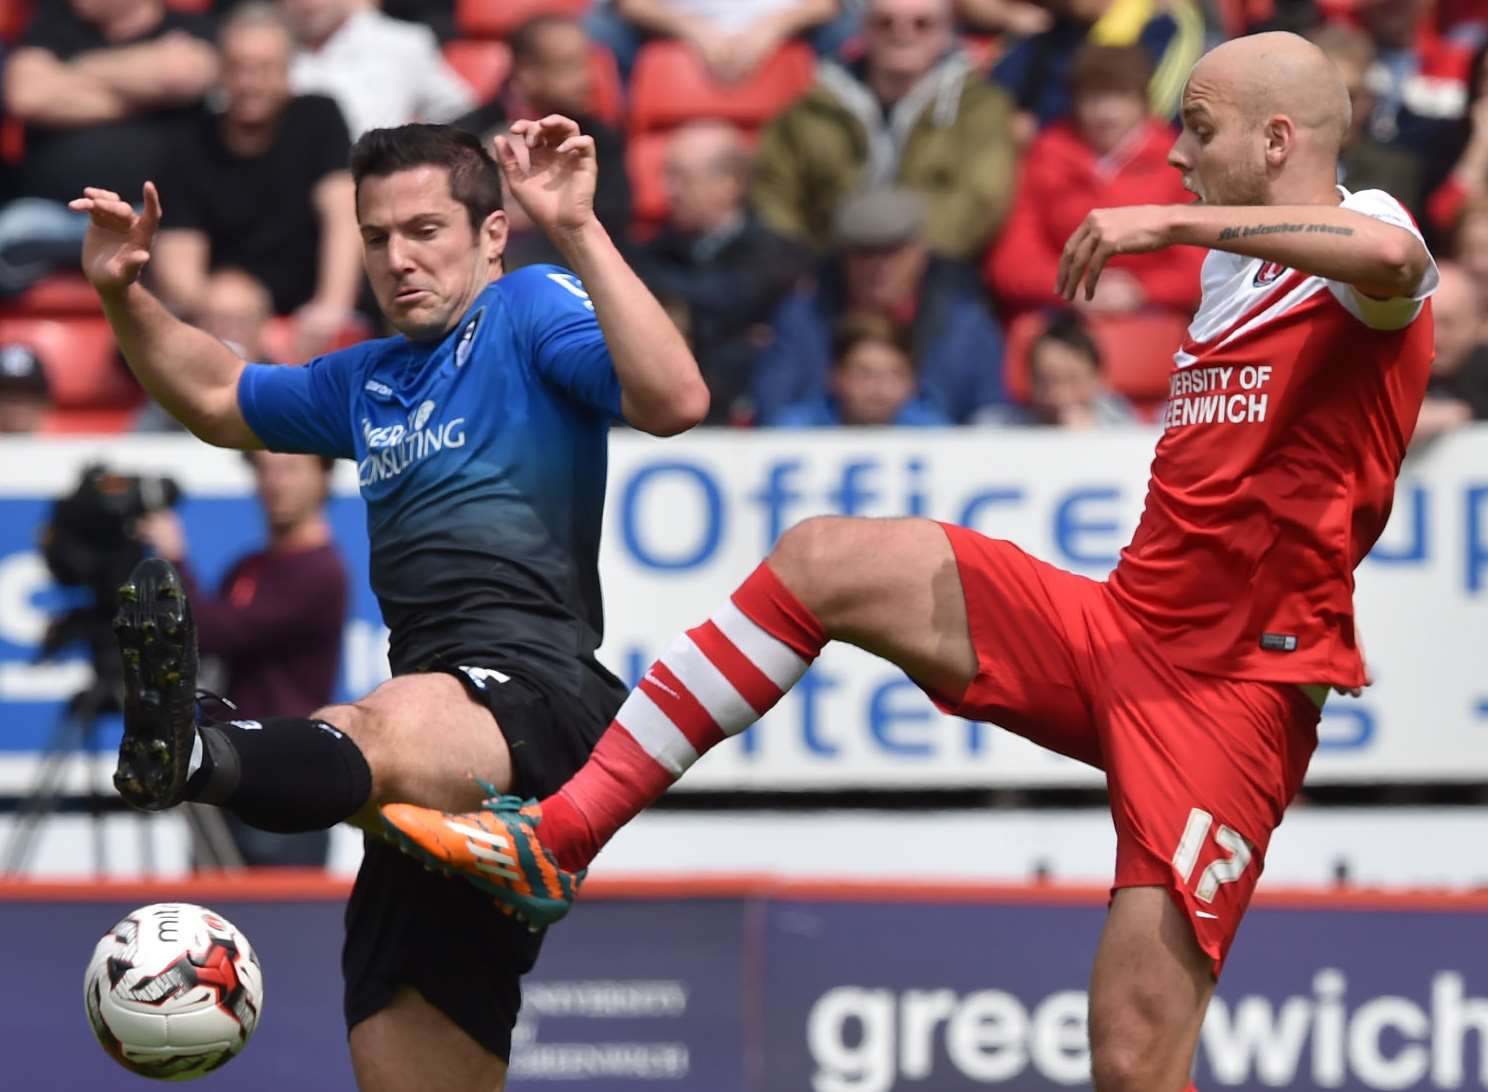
[{"x": 1109, "y": 151}]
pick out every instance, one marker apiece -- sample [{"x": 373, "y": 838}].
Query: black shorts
[{"x": 409, "y": 927}]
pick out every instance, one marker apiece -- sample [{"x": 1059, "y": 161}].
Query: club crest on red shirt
[{"x": 1268, "y": 273}]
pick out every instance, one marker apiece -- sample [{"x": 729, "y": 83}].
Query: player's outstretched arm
[
  {"x": 550, "y": 169},
  {"x": 189, "y": 372},
  {"x": 1377, "y": 258}
]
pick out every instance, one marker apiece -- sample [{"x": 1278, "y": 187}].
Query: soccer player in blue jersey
[{"x": 479, "y": 433}]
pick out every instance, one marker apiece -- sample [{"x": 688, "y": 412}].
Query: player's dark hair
[
  {"x": 1068, "y": 328},
  {"x": 523, "y": 41},
  {"x": 474, "y": 177},
  {"x": 859, "y": 327}
]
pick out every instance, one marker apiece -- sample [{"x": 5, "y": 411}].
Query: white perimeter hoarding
[{"x": 688, "y": 518}]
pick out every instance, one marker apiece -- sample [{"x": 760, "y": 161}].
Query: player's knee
[
  {"x": 360, "y": 722},
  {"x": 1141, "y": 1050},
  {"x": 1126, "y": 1067},
  {"x": 813, "y": 559}
]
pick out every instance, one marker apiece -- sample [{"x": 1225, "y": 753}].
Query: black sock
[{"x": 287, "y": 775}]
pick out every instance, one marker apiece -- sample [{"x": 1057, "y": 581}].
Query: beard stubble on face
[{"x": 1240, "y": 184}]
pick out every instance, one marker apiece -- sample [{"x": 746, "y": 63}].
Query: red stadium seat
[
  {"x": 670, "y": 86},
  {"x": 498, "y": 18},
  {"x": 80, "y": 358},
  {"x": 483, "y": 65},
  {"x": 608, "y": 97},
  {"x": 59, "y": 294},
  {"x": 12, "y": 140},
  {"x": 1137, "y": 349},
  {"x": 644, "y": 156},
  {"x": 71, "y": 422}
]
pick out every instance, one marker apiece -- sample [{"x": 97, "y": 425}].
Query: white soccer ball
[{"x": 173, "y": 991}]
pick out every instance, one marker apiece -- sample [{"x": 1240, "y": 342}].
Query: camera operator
[{"x": 277, "y": 619}]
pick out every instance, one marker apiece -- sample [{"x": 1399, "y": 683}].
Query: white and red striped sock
[{"x": 713, "y": 682}]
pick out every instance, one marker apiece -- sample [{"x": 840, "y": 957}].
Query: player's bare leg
[
  {"x": 890, "y": 586},
  {"x": 410, "y": 1046},
  {"x": 393, "y": 727},
  {"x": 288, "y": 774},
  {"x": 1148, "y": 992}
]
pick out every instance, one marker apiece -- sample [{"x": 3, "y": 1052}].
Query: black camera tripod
[{"x": 76, "y": 735}]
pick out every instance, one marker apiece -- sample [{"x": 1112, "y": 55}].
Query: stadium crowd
[{"x": 853, "y": 209}]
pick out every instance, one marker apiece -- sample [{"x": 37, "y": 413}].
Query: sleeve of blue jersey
[
  {"x": 555, "y": 317},
  {"x": 302, "y": 408}
]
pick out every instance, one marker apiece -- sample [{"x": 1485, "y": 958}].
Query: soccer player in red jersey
[{"x": 1194, "y": 675}]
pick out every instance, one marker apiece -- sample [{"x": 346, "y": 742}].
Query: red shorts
[{"x": 1200, "y": 768}]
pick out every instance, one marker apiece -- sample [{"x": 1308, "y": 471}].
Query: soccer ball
[{"x": 173, "y": 991}]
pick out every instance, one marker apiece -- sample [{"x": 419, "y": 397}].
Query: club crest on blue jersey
[
  {"x": 467, "y": 338},
  {"x": 1268, "y": 273}
]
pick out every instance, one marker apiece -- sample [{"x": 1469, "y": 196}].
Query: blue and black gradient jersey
[{"x": 482, "y": 461}]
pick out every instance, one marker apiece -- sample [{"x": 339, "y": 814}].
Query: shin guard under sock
[{"x": 281, "y": 774}]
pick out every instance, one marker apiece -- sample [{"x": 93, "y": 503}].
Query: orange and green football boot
[{"x": 498, "y": 849}]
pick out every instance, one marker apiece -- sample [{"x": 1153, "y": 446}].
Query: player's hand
[
  {"x": 1132, "y": 229},
  {"x": 117, "y": 245},
  {"x": 1356, "y": 691},
  {"x": 551, "y": 169}
]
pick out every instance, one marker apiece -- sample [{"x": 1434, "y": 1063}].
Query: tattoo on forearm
[{"x": 1282, "y": 229}]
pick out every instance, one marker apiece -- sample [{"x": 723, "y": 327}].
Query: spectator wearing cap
[
  {"x": 1457, "y": 391},
  {"x": 1065, "y": 388},
  {"x": 102, "y": 89},
  {"x": 382, "y": 72},
  {"x": 551, "y": 74},
  {"x": 871, "y": 381},
  {"x": 1110, "y": 151},
  {"x": 911, "y": 113},
  {"x": 263, "y": 186},
  {"x": 24, "y": 393},
  {"x": 881, "y": 263},
  {"x": 1036, "y": 71},
  {"x": 723, "y": 269}
]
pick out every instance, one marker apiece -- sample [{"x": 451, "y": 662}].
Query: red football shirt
[{"x": 1291, "y": 406}]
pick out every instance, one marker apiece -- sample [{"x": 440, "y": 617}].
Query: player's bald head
[
  {"x": 1265, "y": 75},
  {"x": 1264, "y": 118}
]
